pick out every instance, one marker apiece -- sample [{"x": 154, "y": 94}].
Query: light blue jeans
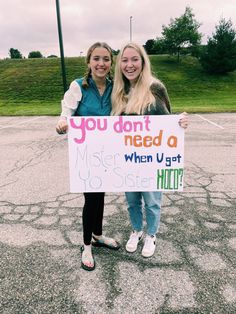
[{"x": 152, "y": 205}]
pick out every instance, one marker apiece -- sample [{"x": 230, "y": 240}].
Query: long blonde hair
[{"x": 141, "y": 97}]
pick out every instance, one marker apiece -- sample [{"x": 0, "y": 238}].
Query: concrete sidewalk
[{"x": 193, "y": 269}]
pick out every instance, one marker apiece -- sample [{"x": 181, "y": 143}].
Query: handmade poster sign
[{"x": 126, "y": 153}]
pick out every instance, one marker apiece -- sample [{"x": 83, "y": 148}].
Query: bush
[{"x": 35, "y": 54}]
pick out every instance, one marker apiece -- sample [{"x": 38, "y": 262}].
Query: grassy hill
[{"x": 34, "y": 86}]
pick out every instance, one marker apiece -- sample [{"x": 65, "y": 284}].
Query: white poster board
[{"x": 126, "y": 153}]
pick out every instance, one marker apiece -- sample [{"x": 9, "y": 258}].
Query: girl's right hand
[{"x": 62, "y": 126}]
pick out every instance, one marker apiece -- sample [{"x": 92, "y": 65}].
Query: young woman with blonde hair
[{"x": 137, "y": 92}]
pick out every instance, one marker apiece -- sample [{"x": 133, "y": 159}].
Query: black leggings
[{"x": 92, "y": 215}]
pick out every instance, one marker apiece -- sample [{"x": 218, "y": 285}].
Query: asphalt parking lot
[{"x": 193, "y": 268}]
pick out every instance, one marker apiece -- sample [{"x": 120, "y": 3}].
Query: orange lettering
[
  {"x": 147, "y": 141},
  {"x": 137, "y": 140}
]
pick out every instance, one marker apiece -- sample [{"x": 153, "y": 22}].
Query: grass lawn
[{"x": 34, "y": 86}]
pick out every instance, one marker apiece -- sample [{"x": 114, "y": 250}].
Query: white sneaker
[
  {"x": 149, "y": 246},
  {"x": 132, "y": 244}
]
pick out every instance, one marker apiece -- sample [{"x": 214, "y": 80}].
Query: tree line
[
  {"x": 16, "y": 54},
  {"x": 182, "y": 37}
]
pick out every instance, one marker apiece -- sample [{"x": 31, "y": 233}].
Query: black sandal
[
  {"x": 89, "y": 268},
  {"x": 104, "y": 242}
]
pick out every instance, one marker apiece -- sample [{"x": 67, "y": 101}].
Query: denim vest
[{"x": 92, "y": 103}]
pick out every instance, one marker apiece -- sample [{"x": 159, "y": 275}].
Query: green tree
[
  {"x": 219, "y": 55},
  {"x": 15, "y": 53},
  {"x": 149, "y": 46},
  {"x": 35, "y": 54},
  {"x": 115, "y": 52},
  {"x": 182, "y": 32},
  {"x": 160, "y": 46}
]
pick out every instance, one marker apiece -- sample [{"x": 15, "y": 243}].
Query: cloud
[{"x": 32, "y": 25}]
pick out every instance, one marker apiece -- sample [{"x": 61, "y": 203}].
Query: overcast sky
[{"x": 30, "y": 25}]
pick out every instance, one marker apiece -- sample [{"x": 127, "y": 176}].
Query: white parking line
[
  {"x": 22, "y": 122},
  {"x": 217, "y": 125}
]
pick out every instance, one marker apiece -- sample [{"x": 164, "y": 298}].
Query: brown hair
[{"x": 90, "y": 51}]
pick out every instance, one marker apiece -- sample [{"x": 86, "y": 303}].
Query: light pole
[
  {"x": 61, "y": 46},
  {"x": 130, "y": 28}
]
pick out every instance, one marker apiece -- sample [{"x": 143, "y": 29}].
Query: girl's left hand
[{"x": 183, "y": 121}]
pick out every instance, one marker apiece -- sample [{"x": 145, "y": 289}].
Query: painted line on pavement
[
  {"x": 209, "y": 121},
  {"x": 22, "y": 122}
]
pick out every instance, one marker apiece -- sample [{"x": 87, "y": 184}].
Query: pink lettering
[
  {"x": 131, "y": 126},
  {"x": 87, "y": 124}
]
